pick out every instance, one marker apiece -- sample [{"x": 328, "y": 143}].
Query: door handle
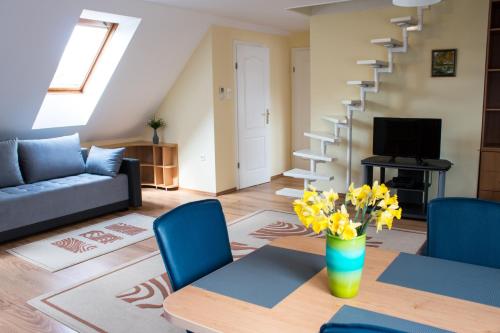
[{"x": 266, "y": 114}]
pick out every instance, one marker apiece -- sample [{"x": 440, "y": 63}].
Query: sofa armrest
[{"x": 131, "y": 168}]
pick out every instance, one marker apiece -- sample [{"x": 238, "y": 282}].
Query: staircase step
[
  {"x": 324, "y": 136},
  {"x": 374, "y": 63},
  {"x": 351, "y": 102},
  {"x": 366, "y": 84},
  {"x": 340, "y": 121},
  {"x": 290, "y": 192},
  {"x": 387, "y": 42},
  {"x": 306, "y": 174},
  {"x": 406, "y": 21},
  {"x": 313, "y": 155}
]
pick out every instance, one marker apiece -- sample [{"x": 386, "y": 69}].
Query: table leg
[
  {"x": 426, "y": 190},
  {"x": 368, "y": 174},
  {"x": 382, "y": 175},
  {"x": 441, "y": 184}
]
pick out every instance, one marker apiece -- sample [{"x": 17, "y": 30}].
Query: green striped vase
[{"x": 344, "y": 263}]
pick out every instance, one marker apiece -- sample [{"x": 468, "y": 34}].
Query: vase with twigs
[{"x": 156, "y": 123}]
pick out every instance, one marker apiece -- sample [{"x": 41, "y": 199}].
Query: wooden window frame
[{"x": 111, "y": 30}]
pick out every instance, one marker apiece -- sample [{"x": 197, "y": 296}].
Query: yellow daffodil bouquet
[{"x": 321, "y": 211}]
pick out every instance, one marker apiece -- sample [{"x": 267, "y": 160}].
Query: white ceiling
[
  {"x": 272, "y": 13},
  {"x": 34, "y": 34}
]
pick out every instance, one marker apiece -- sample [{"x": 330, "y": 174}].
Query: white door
[
  {"x": 252, "y": 84},
  {"x": 301, "y": 103}
]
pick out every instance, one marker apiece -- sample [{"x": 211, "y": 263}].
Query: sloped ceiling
[
  {"x": 265, "y": 12},
  {"x": 33, "y": 35}
]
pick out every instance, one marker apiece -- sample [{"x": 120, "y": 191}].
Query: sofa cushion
[
  {"x": 31, "y": 203},
  {"x": 51, "y": 158},
  {"x": 10, "y": 173},
  {"x": 104, "y": 162}
]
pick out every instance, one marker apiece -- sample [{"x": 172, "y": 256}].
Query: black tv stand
[
  {"x": 413, "y": 181},
  {"x": 418, "y": 160},
  {"x": 421, "y": 162}
]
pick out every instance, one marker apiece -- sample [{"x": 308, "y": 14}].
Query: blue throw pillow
[
  {"x": 106, "y": 162},
  {"x": 10, "y": 173},
  {"x": 51, "y": 158}
]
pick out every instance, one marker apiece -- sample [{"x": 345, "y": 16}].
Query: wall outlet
[
  {"x": 203, "y": 158},
  {"x": 225, "y": 93}
]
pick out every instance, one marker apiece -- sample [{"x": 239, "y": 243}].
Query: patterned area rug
[
  {"x": 129, "y": 298},
  {"x": 65, "y": 250}
]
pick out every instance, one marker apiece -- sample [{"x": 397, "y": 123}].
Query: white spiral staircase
[{"x": 344, "y": 122}]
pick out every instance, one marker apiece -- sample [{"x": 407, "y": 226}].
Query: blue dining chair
[
  {"x": 465, "y": 230},
  {"x": 193, "y": 241},
  {"x": 355, "y": 328}
]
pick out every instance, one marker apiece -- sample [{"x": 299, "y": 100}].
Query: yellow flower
[
  {"x": 320, "y": 223},
  {"x": 378, "y": 192},
  {"x": 338, "y": 220},
  {"x": 387, "y": 216},
  {"x": 358, "y": 196},
  {"x": 350, "y": 231},
  {"x": 309, "y": 196},
  {"x": 304, "y": 212},
  {"x": 318, "y": 211},
  {"x": 336, "y": 223},
  {"x": 388, "y": 201},
  {"x": 298, "y": 207},
  {"x": 330, "y": 197}
]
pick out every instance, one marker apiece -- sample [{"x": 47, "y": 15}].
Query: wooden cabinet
[
  {"x": 159, "y": 163},
  {"x": 489, "y": 180},
  {"x": 489, "y": 172}
]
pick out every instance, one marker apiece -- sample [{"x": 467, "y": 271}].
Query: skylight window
[
  {"x": 86, "y": 44},
  {"x": 86, "y": 65}
]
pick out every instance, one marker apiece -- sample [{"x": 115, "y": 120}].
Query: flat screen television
[{"x": 407, "y": 137}]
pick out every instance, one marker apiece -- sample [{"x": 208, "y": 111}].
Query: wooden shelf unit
[
  {"x": 159, "y": 163},
  {"x": 489, "y": 170}
]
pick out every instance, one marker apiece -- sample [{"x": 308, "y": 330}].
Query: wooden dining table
[{"x": 310, "y": 305}]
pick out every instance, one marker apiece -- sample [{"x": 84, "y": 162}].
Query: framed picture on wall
[{"x": 444, "y": 63}]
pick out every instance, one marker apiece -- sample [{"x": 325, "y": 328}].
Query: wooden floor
[{"x": 20, "y": 281}]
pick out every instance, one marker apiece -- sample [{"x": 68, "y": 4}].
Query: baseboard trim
[
  {"x": 231, "y": 190},
  {"x": 277, "y": 176},
  {"x": 210, "y": 194}
]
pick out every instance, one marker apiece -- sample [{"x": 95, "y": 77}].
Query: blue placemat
[
  {"x": 264, "y": 277},
  {"x": 449, "y": 278},
  {"x": 351, "y": 315}
]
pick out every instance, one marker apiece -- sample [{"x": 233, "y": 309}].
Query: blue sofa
[{"x": 39, "y": 205}]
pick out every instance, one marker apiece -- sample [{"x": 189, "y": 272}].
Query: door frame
[
  {"x": 237, "y": 43},
  {"x": 294, "y": 110}
]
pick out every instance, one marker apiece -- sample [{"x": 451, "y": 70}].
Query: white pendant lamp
[{"x": 415, "y": 3}]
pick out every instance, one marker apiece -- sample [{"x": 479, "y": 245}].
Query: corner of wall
[{"x": 188, "y": 109}]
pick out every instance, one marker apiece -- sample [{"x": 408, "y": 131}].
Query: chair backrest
[
  {"x": 355, "y": 328},
  {"x": 193, "y": 241},
  {"x": 465, "y": 230}
]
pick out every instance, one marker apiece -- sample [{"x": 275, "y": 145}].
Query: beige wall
[
  {"x": 188, "y": 110},
  {"x": 203, "y": 124},
  {"x": 225, "y": 110},
  {"x": 338, "y": 40},
  {"x": 299, "y": 39}
]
